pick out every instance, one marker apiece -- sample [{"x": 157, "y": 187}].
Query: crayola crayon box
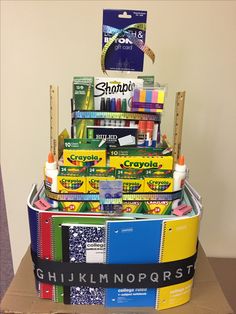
[
  {"x": 137, "y": 162},
  {"x": 80, "y": 153},
  {"x": 158, "y": 207},
  {"x": 158, "y": 181},
  {"x": 95, "y": 175},
  {"x": 72, "y": 206},
  {"x": 71, "y": 180},
  {"x": 93, "y": 207},
  {"x": 132, "y": 180},
  {"x": 132, "y": 207}
]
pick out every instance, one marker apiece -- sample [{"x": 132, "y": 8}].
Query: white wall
[{"x": 48, "y": 42}]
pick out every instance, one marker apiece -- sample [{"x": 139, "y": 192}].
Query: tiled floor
[{"x": 225, "y": 270}]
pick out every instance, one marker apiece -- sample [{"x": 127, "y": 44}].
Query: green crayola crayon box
[
  {"x": 73, "y": 206},
  {"x": 132, "y": 207},
  {"x": 79, "y": 153},
  {"x": 71, "y": 180},
  {"x": 137, "y": 162},
  {"x": 158, "y": 207},
  {"x": 95, "y": 175},
  {"x": 93, "y": 207}
]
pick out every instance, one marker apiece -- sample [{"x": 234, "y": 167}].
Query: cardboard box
[{"x": 207, "y": 296}]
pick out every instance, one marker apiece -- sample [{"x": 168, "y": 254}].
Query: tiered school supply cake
[{"x": 115, "y": 223}]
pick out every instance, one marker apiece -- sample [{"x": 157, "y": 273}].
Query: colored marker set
[{"x": 113, "y": 105}]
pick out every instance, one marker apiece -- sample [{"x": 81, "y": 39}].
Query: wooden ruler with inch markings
[
  {"x": 178, "y": 124},
  {"x": 54, "y": 121}
]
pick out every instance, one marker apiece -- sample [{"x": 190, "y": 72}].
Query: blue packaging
[{"x": 121, "y": 49}]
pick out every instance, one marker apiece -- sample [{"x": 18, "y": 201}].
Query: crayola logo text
[
  {"x": 74, "y": 181},
  {"x": 158, "y": 183},
  {"x": 83, "y": 158},
  {"x": 140, "y": 164}
]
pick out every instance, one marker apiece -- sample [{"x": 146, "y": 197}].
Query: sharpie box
[{"x": 114, "y": 87}]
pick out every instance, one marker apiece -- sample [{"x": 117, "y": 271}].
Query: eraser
[
  {"x": 182, "y": 210},
  {"x": 42, "y": 204},
  {"x": 127, "y": 140}
]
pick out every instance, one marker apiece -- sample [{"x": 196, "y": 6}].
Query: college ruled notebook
[
  {"x": 179, "y": 241},
  {"x": 57, "y": 222},
  {"x": 83, "y": 244},
  {"x": 132, "y": 242},
  {"x": 45, "y": 249}
]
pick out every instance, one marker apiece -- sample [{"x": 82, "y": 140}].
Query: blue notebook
[{"x": 132, "y": 242}]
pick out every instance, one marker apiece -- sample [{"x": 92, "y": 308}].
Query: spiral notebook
[
  {"x": 179, "y": 241},
  {"x": 83, "y": 244},
  {"x": 132, "y": 242}
]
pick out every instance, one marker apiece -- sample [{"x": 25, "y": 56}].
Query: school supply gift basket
[{"x": 115, "y": 222}]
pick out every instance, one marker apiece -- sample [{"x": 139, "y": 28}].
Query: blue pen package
[{"x": 123, "y": 40}]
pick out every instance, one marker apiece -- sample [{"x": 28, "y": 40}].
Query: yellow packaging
[
  {"x": 158, "y": 207},
  {"x": 158, "y": 185},
  {"x": 132, "y": 207},
  {"x": 133, "y": 185},
  {"x": 73, "y": 206},
  {"x": 139, "y": 162},
  {"x": 71, "y": 184},
  {"x": 93, "y": 207},
  {"x": 93, "y": 183},
  {"x": 81, "y": 158}
]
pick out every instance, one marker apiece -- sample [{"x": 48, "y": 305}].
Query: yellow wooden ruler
[
  {"x": 54, "y": 121},
  {"x": 178, "y": 124}
]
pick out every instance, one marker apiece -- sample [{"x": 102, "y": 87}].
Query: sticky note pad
[
  {"x": 161, "y": 97},
  {"x": 142, "y": 95}
]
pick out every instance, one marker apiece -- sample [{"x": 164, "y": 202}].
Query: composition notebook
[
  {"x": 57, "y": 222},
  {"x": 83, "y": 244},
  {"x": 132, "y": 242}
]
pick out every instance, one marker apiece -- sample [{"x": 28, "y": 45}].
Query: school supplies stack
[
  {"x": 114, "y": 224},
  {"x": 125, "y": 261}
]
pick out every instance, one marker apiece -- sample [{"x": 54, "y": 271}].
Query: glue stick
[
  {"x": 51, "y": 173},
  {"x": 179, "y": 176}
]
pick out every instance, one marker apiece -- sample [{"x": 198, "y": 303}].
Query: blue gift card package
[{"x": 121, "y": 49}]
